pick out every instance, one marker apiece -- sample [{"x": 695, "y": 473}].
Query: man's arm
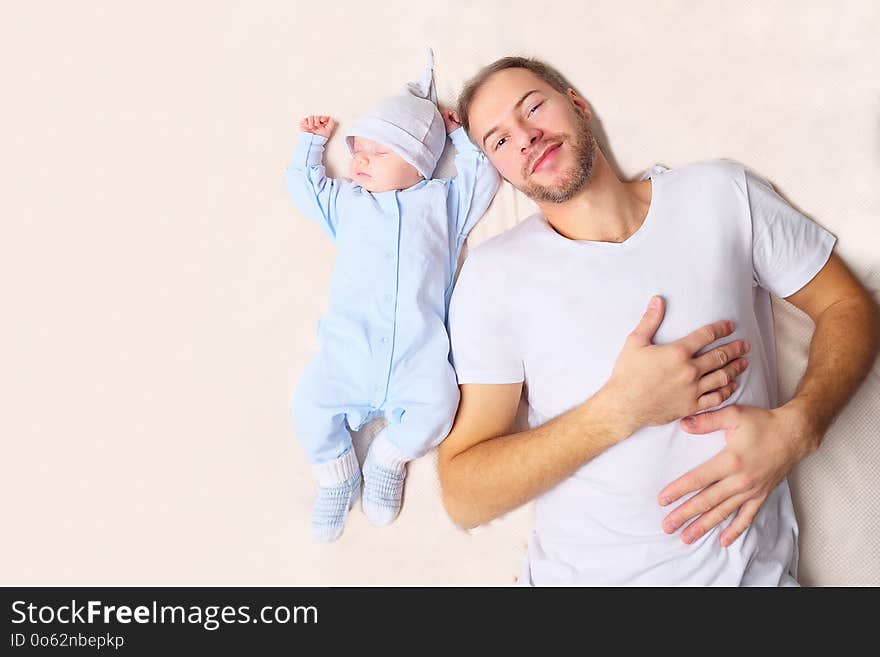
[
  {"x": 484, "y": 472},
  {"x": 763, "y": 445},
  {"x": 843, "y": 347}
]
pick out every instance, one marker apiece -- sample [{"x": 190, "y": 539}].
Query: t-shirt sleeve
[
  {"x": 480, "y": 331},
  {"x": 788, "y": 248}
]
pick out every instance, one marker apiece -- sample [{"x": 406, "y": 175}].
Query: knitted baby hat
[{"x": 409, "y": 123}]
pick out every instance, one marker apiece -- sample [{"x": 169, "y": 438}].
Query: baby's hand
[
  {"x": 318, "y": 125},
  {"x": 451, "y": 119}
]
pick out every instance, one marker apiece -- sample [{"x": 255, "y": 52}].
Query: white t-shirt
[{"x": 531, "y": 305}]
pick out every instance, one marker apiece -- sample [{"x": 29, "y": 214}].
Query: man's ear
[{"x": 580, "y": 103}]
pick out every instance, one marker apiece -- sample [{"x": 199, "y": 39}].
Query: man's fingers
[
  {"x": 650, "y": 321},
  {"x": 710, "y": 498},
  {"x": 716, "y": 397},
  {"x": 744, "y": 518},
  {"x": 708, "y": 473},
  {"x": 712, "y": 518},
  {"x": 720, "y": 378},
  {"x": 721, "y": 356},
  {"x": 723, "y": 418},
  {"x": 706, "y": 335}
]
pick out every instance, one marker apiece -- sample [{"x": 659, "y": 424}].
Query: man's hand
[
  {"x": 657, "y": 384},
  {"x": 762, "y": 447},
  {"x": 451, "y": 119},
  {"x": 318, "y": 125},
  {"x": 485, "y": 471}
]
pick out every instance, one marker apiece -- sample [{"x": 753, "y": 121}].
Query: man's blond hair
[{"x": 541, "y": 69}]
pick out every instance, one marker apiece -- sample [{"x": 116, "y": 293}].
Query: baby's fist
[
  {"x": 451, "y": 119},
  {"x": 318, "y": 125}
]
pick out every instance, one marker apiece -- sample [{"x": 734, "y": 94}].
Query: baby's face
[{"x": 377, "y": 168}]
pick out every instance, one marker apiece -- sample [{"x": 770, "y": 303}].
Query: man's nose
[{"x": 529, "y": 137}]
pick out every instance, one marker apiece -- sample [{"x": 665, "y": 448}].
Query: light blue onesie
[{"x": 384, "y": 347}]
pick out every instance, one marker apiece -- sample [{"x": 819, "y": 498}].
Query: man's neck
[{"x": 605, "y": 210}]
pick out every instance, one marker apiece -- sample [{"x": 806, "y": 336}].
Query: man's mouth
[{"x": 546, "y": 156}]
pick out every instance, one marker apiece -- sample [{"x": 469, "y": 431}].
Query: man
[{"x": 551, "y": 303}]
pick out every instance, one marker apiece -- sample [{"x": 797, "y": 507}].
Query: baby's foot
[
  {"x": 384, "y": 474},
  {"x": 335, "y": 496}
]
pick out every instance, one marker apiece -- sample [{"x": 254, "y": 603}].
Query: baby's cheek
[{"x": 392, "y": 177}]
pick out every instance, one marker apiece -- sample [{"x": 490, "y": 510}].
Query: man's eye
[
  {"x": 500, "y": 141},
  {"x": 535, "y": 107}
]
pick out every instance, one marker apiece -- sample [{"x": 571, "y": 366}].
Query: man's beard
[{"x": 573, "y": 180}]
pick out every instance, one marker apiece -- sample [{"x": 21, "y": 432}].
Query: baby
[{"x": 384, "y": 348}]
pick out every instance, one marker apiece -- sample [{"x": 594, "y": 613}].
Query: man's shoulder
[
  {"x": 510, "y": 243},
  {"x": 719, "y": 167},
  {"x": 707, "y": 173},
  {"x": 493, "y": 263}
]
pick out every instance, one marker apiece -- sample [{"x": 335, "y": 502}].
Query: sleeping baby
[{"x": 384, "y": 348}]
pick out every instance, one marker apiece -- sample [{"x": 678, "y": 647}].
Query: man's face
[{"x": 538, "y": 138}]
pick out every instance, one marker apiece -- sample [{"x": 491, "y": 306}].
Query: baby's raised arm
[
  {"x": 313, "y": 193},
  {"x": 476, "y": 180},
  {"x": 318, "y": 124}
]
